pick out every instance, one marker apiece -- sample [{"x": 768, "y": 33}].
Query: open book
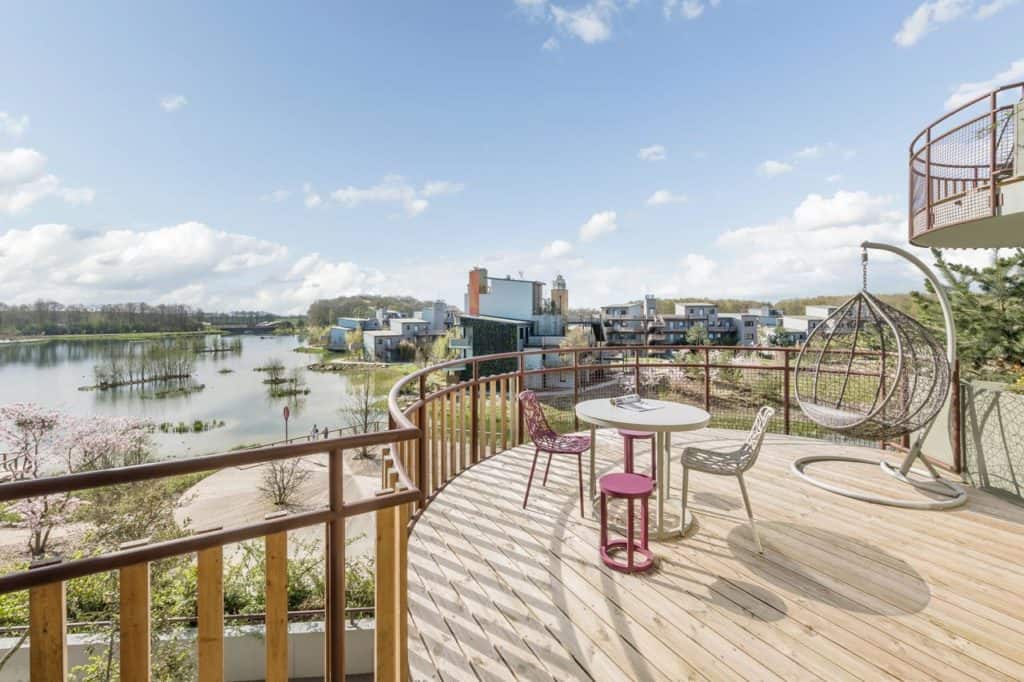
[{"x": 633, "y": 402}]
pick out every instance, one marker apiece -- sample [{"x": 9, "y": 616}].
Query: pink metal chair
[{"x": 546, "y": 439}]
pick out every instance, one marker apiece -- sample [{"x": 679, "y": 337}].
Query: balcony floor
[{"x": 845, "y": 589}]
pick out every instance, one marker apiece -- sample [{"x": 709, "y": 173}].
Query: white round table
[{"x": 662, "y": 421}]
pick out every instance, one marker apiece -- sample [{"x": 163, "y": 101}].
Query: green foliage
[
  {"x": 988, "y": 310},
  {"x": 795, "y": 306},
  {"x": 52, "y": 318},
  {"x": 325, "y": 312},
  {"x": 492, "y": 337},
  {"x": 667, "y": 306},
  {"x": 697, "y": 335}
]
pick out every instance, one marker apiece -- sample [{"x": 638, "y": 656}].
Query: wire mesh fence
[{"x": 993, "y": 434}]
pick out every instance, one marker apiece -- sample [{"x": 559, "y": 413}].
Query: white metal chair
[{"x": 730, "y": 463}]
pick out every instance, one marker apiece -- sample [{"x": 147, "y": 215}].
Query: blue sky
[{"x": 242, "y": 155}]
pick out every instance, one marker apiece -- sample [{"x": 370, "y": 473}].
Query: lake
[{"x": 50, "y": 373}]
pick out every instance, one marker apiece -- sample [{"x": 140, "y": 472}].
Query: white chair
[{"x": 730, "y": 463}]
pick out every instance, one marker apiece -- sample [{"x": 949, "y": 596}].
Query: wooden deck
[{"x": 845, "y": 589}]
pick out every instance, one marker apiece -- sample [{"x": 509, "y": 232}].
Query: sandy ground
[{"x": 231, "y": 497}]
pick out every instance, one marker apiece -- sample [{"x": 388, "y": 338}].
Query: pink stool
[
  {"x": 627, "y": 442},
  {"x": 629, "y": 487}
]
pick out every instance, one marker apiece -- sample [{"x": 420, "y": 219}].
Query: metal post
[
  {"x": 335, "y": 611},
  {"x": 521, "y": 437},
  {"x": 928, "y": 180},
  {"x": 575, "y": 388},
  {"x": 707, "y": 379},
  {"x": 993, "y": 191},
  {"x": 785, "y": 392},
  {"x": 956, "y": 417}
]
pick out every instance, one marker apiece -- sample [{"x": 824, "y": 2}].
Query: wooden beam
[
  {"x": 48, "y": 655},
  {"x": 210, "y": 606},
  {"x": 277, "y": 607},
  {"x": 386, "y": 597},
  {"x": 135, "y": 631}
]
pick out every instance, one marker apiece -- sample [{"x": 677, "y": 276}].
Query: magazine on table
[{"x": 635, "y": 403}]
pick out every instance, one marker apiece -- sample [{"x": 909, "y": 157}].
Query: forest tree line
[
  {"x": 326, "y": 311},
  {"x": 51, "y": 317}
]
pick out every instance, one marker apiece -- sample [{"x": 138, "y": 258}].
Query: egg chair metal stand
[{"x": 872, "y": 372}]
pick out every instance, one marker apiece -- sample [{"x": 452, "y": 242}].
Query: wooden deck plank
[{"x": 845, "y": 590}]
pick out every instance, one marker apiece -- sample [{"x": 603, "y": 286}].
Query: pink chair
[
  {"x": 630, "y": 437},
  {"x": 545, "y": 439}
]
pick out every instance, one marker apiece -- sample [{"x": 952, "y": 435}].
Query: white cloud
[
  {"x": 816, "y": 249},
  {"x": 59, "y": 262},
  {"x": 309, "y": 196},
  {"x": 663, "y": 196},
  {"x": 24, "y": 181},
  {"x": 591, "y": 23},
  {"x": 965, "y": 92},
  {"x": 555, "y": 249},
  {"x": 811, "y": 152},
  {"x": 598, "y": 224},
  {"x": 771, "y": 169},
  {"x": 277, "y": 196},
  {"x": 550, "y": 44},
  {"x": 15, "y": 126},
  {"x": 691, "y": 9},
  {"x": 394, "y": 189},
  {"x": 926, "y": 19},
  {"x": 990, "y": 9},
  {"x": 834, "y": 178},
  {"x": 655, "y": 152},
  {"x": 171, "y": 103}
]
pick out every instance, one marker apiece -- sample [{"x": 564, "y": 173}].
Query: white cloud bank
[
  {"x": 772, "y": 169},
  {"x": 663, "y": 197},
  {"x": 12, "y": 125},
  {"x": 555, "y": 249},
  {"x": 24, "y": 182}
]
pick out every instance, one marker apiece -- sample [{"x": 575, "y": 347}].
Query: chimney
[{"x": 477, "y": 286}]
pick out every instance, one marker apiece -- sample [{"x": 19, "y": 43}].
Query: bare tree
[
  {"x": 282, "y": 480},
  {"x": 363, "y": 409}
]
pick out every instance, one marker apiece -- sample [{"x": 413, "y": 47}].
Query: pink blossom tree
[{"x": 37, "y": 442}]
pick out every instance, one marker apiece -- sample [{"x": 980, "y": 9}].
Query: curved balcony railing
[
  {"x": 954, "y": 161},
  {"x": 443, "y": 419}
]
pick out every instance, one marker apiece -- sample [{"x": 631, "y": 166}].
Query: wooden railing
[{"x": 442, "y": 420}]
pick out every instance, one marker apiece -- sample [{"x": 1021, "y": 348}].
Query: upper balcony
[{"x": 967, "y": 175}]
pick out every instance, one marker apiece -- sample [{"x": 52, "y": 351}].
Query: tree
[
  {"x": 354, "y": 339},
  {"x": 363, "y": 409},
  {"x": 282, "y": 480},
  {"x": 274, "y": 369},
  {"x": 577, "y": 337},
  {"x": 988, "y": 310},
  {"x": 697, "y": 335}
]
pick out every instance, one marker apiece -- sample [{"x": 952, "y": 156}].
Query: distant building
[
  {"x": 559, "y": 297},
  {"x": 631, "y": 324},
  {"x": 338, "y": 335}
]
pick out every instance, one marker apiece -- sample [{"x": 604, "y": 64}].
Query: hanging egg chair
[{"x": 871, "y": 372}]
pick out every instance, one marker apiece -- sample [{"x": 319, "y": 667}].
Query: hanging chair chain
[{"x": 864, "y": 268}]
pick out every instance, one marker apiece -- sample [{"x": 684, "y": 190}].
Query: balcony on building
[{"x": 967, "y": 175}]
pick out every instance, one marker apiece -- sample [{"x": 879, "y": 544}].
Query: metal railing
[{"x": 957, "y": 161}]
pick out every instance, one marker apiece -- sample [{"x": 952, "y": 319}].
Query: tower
[{"x": 559, "y": 296}]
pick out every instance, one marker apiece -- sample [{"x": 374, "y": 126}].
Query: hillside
[
  {"x": 725, "y": 305},
  {"x": 795, "y": 306},
  {"x": 326, "y": 310}
]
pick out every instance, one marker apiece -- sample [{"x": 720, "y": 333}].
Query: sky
[{"x": 248, "y": 156}]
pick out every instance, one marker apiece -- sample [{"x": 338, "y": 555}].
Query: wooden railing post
[
  {"x": 47, "y": 623},
  {"x": 390, "y": 605},
  {"x": 785, "y": 392},
  {"x": 521, "y": 381},
  {"x": 474, "y": 419},
  {"x": 210, "y": 608},
  {"x": 334, "y": 663},
  {"x": 134, "y": 617},
  {"x": 276, "y": 599},
  {"x": 422, "y": 475}
]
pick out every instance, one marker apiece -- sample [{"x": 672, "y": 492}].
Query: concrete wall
[{"x": 243, "y": 652}]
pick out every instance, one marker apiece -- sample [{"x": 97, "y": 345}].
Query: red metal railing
[{"x": 954, "y": 160}]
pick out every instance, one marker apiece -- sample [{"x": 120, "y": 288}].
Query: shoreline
[{"x": 113, "y": 336}]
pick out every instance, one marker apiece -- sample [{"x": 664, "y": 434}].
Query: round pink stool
[
  {"x": 628, "y": 437},
  {"x": 629, "y": 487}
]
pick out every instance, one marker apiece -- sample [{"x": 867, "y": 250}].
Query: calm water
[{"x": 50, "y": 374}]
